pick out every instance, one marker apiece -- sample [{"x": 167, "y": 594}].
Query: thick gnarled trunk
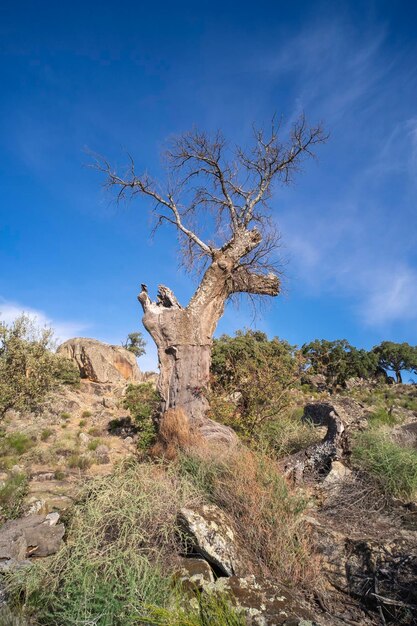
[{"x": 184, "y": 335}]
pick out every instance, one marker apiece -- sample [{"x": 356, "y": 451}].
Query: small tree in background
[
  {"x": 135, "y": 343},
  {"x": 396, "y": 357},
  {"x": 338, "y": 361}
]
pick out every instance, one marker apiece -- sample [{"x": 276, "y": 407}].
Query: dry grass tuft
[
  {"x": 267, "y": 512},
  {"x": 174, "y": 434}
]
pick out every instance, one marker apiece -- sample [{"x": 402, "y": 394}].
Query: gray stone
[
  {"x": 52, "y": 518},
  {"x": 338, "y": 473},
  {"x": 29, "y": 536},
  {"x": 84, "y": 438}
]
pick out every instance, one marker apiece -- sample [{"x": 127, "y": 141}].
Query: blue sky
[{"x": 122, "y": 77}]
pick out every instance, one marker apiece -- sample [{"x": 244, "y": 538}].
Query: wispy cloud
[
  {"x": 391, "y": 295},
  {"x": 63, "y": 329},
  {"x": 356, "y": 238}
]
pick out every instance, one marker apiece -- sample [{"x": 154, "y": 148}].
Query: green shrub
[
  {"x": 394, "y": 466},
  {"x": 338, "y": 361},
  {"x": 82, "y": 423},
  {"x": 143, "y": 403},
  {"x": 65, "y": 415},
  {"x": 252, "y": 380},
  {"x": 86, "y": 414},
  {"x": 11, "y": 496},
  {"x": 15, "y": 444},
  {"x": 66, "y": 371}
]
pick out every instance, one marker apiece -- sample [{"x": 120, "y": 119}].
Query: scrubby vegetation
[
  {"x": 268, "y": 515},
  {"x": 28, "y": 367},
  {"x": 116, "y": 566},
  {"x": 123, "y": 540},
  {"x": 12, "y": 493},
  {"x": 252, "y": 383},
  {"x": 143, "y": 401}
]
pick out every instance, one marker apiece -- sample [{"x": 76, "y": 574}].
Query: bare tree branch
[
  {"x": 136, "y": 184},
  {"x": 213, "y": 189}
]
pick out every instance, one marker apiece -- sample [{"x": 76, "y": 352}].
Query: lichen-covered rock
[
  {"x": 209, "y": 533},
  {"x": 100, "y": 362},
  {"x": 264, "y": 603}
]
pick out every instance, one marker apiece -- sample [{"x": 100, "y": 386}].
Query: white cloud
[{"x": 63, "y": 330}]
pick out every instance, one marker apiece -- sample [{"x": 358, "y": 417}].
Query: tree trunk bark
[{"x": 184, "y": 341}]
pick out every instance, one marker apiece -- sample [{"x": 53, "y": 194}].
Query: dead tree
[{"x": 217, "y": 200}]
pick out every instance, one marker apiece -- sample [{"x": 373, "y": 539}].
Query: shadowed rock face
[{"x": 101, "y": 362}]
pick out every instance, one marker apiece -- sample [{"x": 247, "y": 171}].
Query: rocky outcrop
[{"x": 101, "y": 362}]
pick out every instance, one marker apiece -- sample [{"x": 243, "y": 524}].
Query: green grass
[
  {"x": 46, "y": 433},
  {"x": 409, "y": 403},
  {"x": 94, "y": 431},
  {"x": 65, "y": 415},
  {"x": 93, "y": 444},
  {"x": 79, "y": 461},
  {"x": 11, "y": 496},
  {"x": 288, "y": 434},
  {"x": 86, "y": 414},
  {"x": 394, "y": 466},
  {"x": 382, "y": 417}
]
